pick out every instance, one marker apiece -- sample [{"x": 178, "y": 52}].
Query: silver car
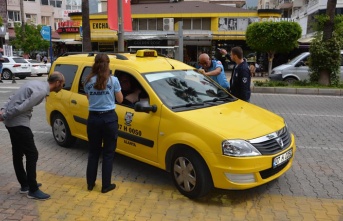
[{"x": 297, "y": 69}]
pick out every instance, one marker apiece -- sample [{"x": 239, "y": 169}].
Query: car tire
[
  {"x": 22, "y": 77},
  {"x": 61, "y": 131},
  {"x": 190, "y": 174},
  {"x": 290, "y": 80},
  {"x": 6, "y": 74}
]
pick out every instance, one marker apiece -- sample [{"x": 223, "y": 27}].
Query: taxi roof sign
[{"x": 146, "y": 53}]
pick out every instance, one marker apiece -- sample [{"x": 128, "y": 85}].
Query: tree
[
  {"x": 1, "y": 21},
  {"x": 86, "y": 32},
  {"x": 27, "y": 39},
  {"x": 325, "y": 55},
  {"x": 273, "y": 37}
]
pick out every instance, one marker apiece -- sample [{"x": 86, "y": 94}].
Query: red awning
[{"x": 55, "y": 35}]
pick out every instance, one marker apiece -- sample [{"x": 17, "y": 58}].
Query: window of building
[
  {"x": 31, "y": 18},
  {"x": 45, "y": 20},
  {"x": 196, "y": 23},
  {"x": 267, "y": 5},
  {"x": 73, "y": 5},
  {"x": 29, "y": 0},
  {"x": 56, "y": 3},
  {"x": 45, "y": 2},
  {"x": 151, "y": 24},
  {"x": 14, "y": 15}
]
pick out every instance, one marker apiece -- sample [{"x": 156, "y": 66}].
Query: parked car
[
  {"x": 17, "y": 66},
  {"x": 183, "y": 123},
  {"x": 37, "y": 68},
  {"x": 297, "y": 69}
]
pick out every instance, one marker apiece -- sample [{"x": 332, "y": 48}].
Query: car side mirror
[
  {"x": 300, "y": 63},
  {"x": 139, "y": 107}
]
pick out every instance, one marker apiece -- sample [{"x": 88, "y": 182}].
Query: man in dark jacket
[{"x": 240, "y": 78}]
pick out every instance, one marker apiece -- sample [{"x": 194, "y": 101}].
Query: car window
[
  {"x": 85, "y": 72},
  {"x": 19, "y": 60},
  {"x": 6, "y": 60},
  {"x": 177, "y": 88},
  {"x": 69, "y": 72},
  {"x": 131, "y": 88}
]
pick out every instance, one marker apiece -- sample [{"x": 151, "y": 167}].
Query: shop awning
[{"x": 104, "y": 35}]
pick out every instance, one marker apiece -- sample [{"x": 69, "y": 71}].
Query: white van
[{"x": 297, "y": 69}]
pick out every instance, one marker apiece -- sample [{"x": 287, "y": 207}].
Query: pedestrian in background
[
  {"x": 252, "y": 69},
  {"x": 102, "y": 91},
  {"x": 241, "y": 77},
  {"x": 214, "y": 69},
  {"x": 16, "y": 114},
  {"x": 38, "y": 57},
  {"x": 1, "y": 61}
]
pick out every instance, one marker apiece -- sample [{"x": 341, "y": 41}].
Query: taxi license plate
[{"x": 278, "y": 160}]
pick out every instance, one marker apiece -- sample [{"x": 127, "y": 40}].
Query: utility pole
[
  {"x": 180, "y": 38},
  {"x": 120, "y": 27}
]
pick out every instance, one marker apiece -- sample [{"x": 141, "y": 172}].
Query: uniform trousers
[
  {"x": 23, "y": 144},
  {"x": 102, "y": 130}
]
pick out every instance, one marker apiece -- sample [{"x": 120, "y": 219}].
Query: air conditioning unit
[
  {"x": 168, "y": 24},
  {"x": 10, "y": 24}
]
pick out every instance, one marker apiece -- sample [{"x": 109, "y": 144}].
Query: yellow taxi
[{"x": 183, "y": 123}]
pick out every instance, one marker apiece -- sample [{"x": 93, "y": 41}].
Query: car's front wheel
[
  {"x": 6, "y": 74},
  {"x": 61, "y": 131},
  {"x": 191, "y": 174}
]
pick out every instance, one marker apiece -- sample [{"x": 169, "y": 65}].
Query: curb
[{"x": 304, "y": 91}]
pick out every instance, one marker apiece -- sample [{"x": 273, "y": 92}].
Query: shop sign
[
  {"x": 100, "y": 25},
  {"x": 147, "y": 43},
  {"x": 69, "y": 23},
  {"x": 68, "y": 30}
]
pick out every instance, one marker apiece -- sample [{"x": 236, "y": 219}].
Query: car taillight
[{"x": 16, "y": 65}]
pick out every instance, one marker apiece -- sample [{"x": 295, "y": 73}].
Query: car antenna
[{"x": 169, "y": 63}]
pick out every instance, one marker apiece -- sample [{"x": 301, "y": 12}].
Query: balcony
[{"x": 286, "y": 4}]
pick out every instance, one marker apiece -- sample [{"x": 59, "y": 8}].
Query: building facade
[{"x": 206, "y": 27}]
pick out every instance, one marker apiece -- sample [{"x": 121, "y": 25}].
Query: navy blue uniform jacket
[{"x": 240, "y": 81}]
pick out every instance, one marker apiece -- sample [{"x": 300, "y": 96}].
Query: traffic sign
[{"x": 46, "y": 32}]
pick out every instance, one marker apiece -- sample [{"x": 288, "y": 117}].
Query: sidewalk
[{"x": 286, "y": 90}]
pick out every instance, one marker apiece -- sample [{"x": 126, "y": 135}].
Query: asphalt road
[{"x": 311, "y": 190}]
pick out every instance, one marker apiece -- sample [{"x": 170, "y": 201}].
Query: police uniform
[
  {"x": 102, "y": 127},
  {"x": 220, "y": 78},
  {"x": 240, "y": 81}
]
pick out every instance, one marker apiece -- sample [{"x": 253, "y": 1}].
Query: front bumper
[
  {"x": 275, "y": 77},
  {"x": 247, "y": 172}
]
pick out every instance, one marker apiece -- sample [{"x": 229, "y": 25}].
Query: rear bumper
[{"x": 276, "y": 77}]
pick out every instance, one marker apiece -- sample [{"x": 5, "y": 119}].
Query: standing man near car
[
  {"x": 241, "y": 77},
  {"x": 214, "y": 69},
  {"x": 1, "y": 60},
  {"x": 16, "y": 114}
]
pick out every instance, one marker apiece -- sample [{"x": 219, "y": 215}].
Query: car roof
[{"x": 141, "y": 64}]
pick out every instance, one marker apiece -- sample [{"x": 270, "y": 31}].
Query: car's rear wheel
[
  {"x": 61, "y": 131},
  {"x": 191, "y": 174},
  {"x": 22, "y": 77},
  {"x": 6, "y": 74}
]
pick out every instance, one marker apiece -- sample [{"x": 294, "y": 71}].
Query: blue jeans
[
  {"x": 101, "y": 129},
  {"x": 23, "y": 144}
]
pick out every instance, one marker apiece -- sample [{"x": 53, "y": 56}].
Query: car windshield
[
  {"x": 295, "y": 60},
  {"x": 187, "y": 89}
]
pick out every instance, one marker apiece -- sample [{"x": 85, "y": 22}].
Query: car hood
[
  {"x": 281, "y": 67},
  {"x": 235, "y": 120}
]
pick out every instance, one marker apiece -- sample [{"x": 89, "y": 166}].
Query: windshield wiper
[
  {"x": 188, "y": 105},
  {"x": 219, "y": 99}
]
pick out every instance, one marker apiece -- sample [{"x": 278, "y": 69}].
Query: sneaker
[
  {"x": 25, "y": 189},
  {"x": 90, "y": 187},
  {"x": 109, "y": 188},
  {"x": 38, "y": 195},
  {"x": 1, "y": 81}
]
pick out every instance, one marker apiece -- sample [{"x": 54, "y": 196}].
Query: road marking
[
  {"x": 4, "y": 91},
  {"x": 10, "y": 87}
]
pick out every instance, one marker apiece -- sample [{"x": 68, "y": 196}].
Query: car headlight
[
  {"x": 276, "y": 72},
  {"x": 239, "y": 148}
]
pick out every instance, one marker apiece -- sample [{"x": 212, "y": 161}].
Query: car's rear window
[{"x": 19, "y": 60}]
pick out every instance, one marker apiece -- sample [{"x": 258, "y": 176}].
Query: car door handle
[{"x": 73, "y": 102}]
